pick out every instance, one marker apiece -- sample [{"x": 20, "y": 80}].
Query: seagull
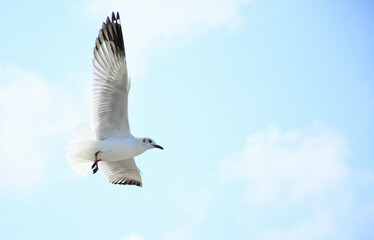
[{"x": 110, "y": 145}]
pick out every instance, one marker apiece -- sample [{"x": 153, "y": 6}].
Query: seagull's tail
[{"x": 81, "y": 150}]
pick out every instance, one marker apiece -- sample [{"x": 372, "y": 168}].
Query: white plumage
[{"x": 110, "y": 144}]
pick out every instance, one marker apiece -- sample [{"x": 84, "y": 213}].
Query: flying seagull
[{"x": 110, "y": 145}]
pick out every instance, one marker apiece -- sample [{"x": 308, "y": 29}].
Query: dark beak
[{"x": 158, "y": 146}]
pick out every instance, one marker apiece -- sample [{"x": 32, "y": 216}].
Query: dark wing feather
[
  {"x": 123, "y": 172},
  {"x": 111, "y": 84}
]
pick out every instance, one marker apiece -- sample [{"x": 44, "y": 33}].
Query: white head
[{"x": 150, "y": 143}]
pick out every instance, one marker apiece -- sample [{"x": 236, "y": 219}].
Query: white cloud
[
  {"x": 317, "y": 227},
  {"x": 149, "y": 24},
  {"x": 32, "y": 113},
  {"x": 300, "y": 170},
  {"x": 195, "y": 207},
  {"x": 292, "y": 165},
  {"x": 24, "y": 103},
  {"x": 197, "y": 204},
  {"x": 181, "y": 232},
  {"x": 134, "y": 236}
]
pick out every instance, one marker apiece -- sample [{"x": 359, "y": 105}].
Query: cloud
[
  {"x": 197, "y": 204},
  {"x": 181, "y": 232},
  {"x": 317, "y": 227},
  {"x": 195, "y": 208},
  {"x": 290, "y": 165},
  {"x": 24, "y": 103},
  {"x": 34, "y": 115},
  {"x": 298, "y": 179},
  {"x": 150, "y": 25},
  {"x": 134, "y": 236}
]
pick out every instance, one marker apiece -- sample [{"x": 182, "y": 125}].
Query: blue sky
[{"x": 265, "y": 109}]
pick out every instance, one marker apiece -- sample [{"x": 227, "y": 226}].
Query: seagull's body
[
  {"x": 110, "y": 146},
  {"x": 118, "y": 148}
]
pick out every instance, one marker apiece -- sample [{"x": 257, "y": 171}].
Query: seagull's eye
[{"x": 149, "y": 141}]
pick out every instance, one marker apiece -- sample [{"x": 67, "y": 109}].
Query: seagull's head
[{"x": 150, "y": 143}]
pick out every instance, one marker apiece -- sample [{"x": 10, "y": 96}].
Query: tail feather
[{"x": 81, "y": 151}]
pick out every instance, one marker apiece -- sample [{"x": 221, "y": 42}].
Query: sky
[{"x": 265, "y": 109}]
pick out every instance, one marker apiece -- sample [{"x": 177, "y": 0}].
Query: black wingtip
[
  {"x": 127, "y": 182},
  {"x": 111, "y": 31}
]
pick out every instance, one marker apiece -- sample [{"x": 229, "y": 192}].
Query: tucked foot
[{"x": 95, "y": 166}]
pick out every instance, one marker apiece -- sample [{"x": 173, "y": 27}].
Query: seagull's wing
[
  {"x": 111, "y": 84},
  {"x": 122, "y": 172}
]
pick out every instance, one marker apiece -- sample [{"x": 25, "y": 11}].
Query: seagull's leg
[{"x": 95, "y": 166}]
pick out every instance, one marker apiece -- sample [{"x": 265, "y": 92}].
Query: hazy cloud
[
  {"x": 301, "y": 169},
  {"x": 317, "y": 227},
  {"x": 289, "y": 165},
  {"x": 24, "y": 102},
  {"x": 32, "y": 113},
  {"x": 134, "y": 236},
  {"x": 181, "y": 232},
  {"x": 195, "y": 207},
  {"x": 150, "y": 25}
]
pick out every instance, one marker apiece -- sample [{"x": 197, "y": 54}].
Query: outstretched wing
[
  {"x": 111, "y": 84},
  {"x": 121, "y": 172}
]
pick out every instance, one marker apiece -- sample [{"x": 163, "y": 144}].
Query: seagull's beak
[{"x": 158, "y": 146}]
